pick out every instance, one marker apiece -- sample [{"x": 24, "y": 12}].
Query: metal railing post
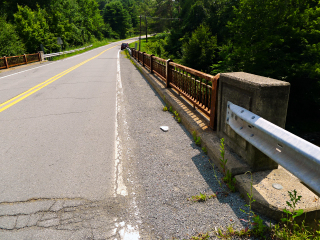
[
  {"x": 25, "y": 58},
  {"x": 214, "y": 91},
  {"x": 6, "y": 61},
  {"x": 143, "y": 59},
  {"x": 168, "y": 73},
  {"x": 151, "y": 64}
]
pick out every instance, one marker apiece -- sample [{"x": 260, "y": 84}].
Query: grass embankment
[
  {"x": 94, "y": 45},
  {"x": 145, "y": 46}
]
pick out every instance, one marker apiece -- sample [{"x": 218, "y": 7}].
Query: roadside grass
[
  {"x": 143, "y": 47},
  {"x": 95, "y": 44}
]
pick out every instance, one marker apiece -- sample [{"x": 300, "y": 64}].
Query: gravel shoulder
[{"x": 163, "y": 169}]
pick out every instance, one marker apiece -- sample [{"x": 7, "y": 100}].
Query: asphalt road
[
  {"x": 83, "y": 157},
  {"x": 58, "y": 142}
]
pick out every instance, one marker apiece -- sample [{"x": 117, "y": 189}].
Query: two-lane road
[{"x": 57, "y": 155}]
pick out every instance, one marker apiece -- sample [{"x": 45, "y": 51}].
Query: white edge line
[
  {"x": 120, "y": 187},
  {"x": 26, "y": 70}
]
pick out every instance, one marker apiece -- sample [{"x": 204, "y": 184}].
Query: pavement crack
[{"x": 48, "y": 115}]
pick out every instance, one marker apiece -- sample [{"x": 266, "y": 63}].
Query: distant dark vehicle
[{"x": 124, "y": 45}]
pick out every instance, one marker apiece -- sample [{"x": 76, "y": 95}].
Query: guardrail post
[
  {"x": 151, "y": 63},
  {"x": 6, "y": 61},
  {"x": 168, "y": 73},
  {"x": 143, "y": 59},
  {"x": 25, "y": 58},
  {"x": 213, "y": 111}
]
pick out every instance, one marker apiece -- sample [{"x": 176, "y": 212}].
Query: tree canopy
[{"x": 76, "y": 22}]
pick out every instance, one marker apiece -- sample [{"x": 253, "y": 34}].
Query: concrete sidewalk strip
[{"x": 165, "y": 169}]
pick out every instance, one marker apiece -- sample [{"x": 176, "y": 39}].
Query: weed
[
  {"x": 201, "y": 236},
  {"x": 201, "y": 197},
  {"x": 291, "y": 215},
  {"x": 250, "y": 213},
  {"x": 170, "y": 109},
  {"x": 198, "y": 141},
  {"x": 222, "y": 153},
  {"x": 215, "y": 174},
  {"x": 176, "y": 116},
  {"x": 290, "y": 229},
  {"x": 165, "y": 108},
  {"x": 230, "y": 181},
  {"x": 194, "y": 134},
  {"x": 204, "y": 149}
]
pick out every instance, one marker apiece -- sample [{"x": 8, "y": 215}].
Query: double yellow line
[{"x": 20, "y": 97}]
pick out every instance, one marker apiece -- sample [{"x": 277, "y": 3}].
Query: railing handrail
[
  {"x": 193, "y": 71},
  {"x": 295, "y": 154},
  {"x": 159, "y": 59}
]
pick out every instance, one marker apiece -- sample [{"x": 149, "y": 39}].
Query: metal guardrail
[
  {"x": 197, "y": 87},
  {"x": 298, "y": 156},
  {"x": 66, "y": 52},
  {"x": 7, "y": 62}
]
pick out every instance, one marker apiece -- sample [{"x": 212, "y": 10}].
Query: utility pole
[
  {"x": 146, "y": 29},
  {"x": 140, "y": 34}
]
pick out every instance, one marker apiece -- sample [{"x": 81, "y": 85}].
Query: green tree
[
  {"x": 34, "y": 30},
  {"x": 118, "y": 18},
  {"x": 10, "y": 43},
  {"x": 199, "y": 51},
  {"x": 280, "y": 39}
]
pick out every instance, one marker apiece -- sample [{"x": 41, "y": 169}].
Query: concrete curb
[{"x": 269, "y": 201}]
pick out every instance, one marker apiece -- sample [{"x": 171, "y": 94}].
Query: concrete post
[
  {"x": 168, "y": 73},
  {"x": 25, "y": 58},
  {"x": 213, "y": 108},
  {"x": 263, "y": 96},
  {"x": 41, "y": 56}
]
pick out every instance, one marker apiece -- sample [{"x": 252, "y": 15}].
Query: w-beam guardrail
[
  {"x": 298, "y": 156},
  {"x": 61, "y": 53}
]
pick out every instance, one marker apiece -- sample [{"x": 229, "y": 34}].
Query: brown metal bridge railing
[
  {"x": 197, "y": 87},
  {"x": 7, "y": 62}
]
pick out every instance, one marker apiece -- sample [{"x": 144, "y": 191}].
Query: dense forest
[
  {"x": 24, "y": 25},
  {"x": 272, "y": 38}
]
